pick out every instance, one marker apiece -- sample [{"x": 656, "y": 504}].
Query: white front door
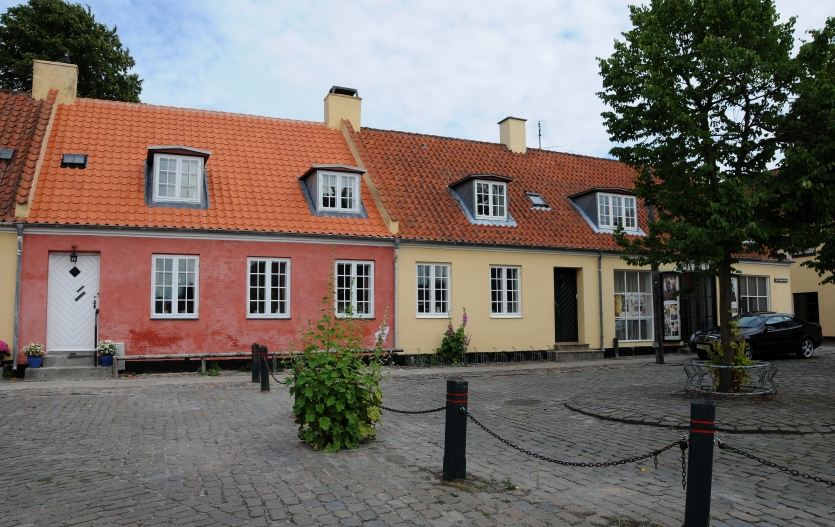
[{"x": 71, "y": 309}]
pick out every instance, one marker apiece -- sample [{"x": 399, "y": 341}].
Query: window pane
[
  {"x": 762, "y": 286},
  {"x": 630, "y": 216},
  {"x": 441, "y": 289},
  {"x": 423, "y": 289},
  {"x": 620, "y": 282},
  {"x": 631, "y": 282},
  {"x": 646, "y": 282},
  {"x": 363, "y": 289},
  {"x": 512, "y": 282},
  {"x": 743, "y": 286},
  {"x": 167, "y": 178},
  {"x": 496, "y": 296},
  {"x": 617, "y": 211},
  {"x": 278, "y": 288},
  {"x": 343, "y": 287},
  {"x": 482, "y": 198},
  {"x": 603, "y": 212},
  {"x": 498, "y": 200},
  {"x": 347, "y": 192},
  {"x": 188, "y": 178},
  {"x": 620, "y": 329},
  {"x": 327, "y": 191},
  {"x": 257, "y": 286}
]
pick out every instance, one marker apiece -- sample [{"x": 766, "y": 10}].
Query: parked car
[{"x": 766, "y": 333}]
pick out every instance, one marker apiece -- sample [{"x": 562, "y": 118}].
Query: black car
[{"x": 766, "y": 333}]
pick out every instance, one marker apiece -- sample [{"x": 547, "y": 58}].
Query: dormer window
[
  {"x": 177, "y": 178},
  {"x": 490, "y": 200},
  {"x": 537, "y": 200},
  {"x": 338, "y": 192},
  {"x": 615, "y": 211}
]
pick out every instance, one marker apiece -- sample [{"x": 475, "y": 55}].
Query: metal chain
[
  {"x": 793, "y": 472},
  {"x": 654, "y": 454},
  {"x": 683, "y": 445},
  {"x": 412, "y": 412}
]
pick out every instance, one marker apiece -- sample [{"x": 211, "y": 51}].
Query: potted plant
[
  {"x": 34, "y": 351},
  {"x": 106, "y": 349},
  {"x": 5, "y": 352}
]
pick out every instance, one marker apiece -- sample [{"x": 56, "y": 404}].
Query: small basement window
[
  {"x": 536, "y": 199},
  {"x": 74, "y": 161},
  {"x": 6, "y": 154}
]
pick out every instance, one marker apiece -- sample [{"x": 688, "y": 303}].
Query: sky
[{"x": 450, "y": 68}]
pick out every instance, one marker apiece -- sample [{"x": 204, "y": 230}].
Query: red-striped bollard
[
  {"x": 700, "y": 463},
  {"x": 455, "y": 437}
]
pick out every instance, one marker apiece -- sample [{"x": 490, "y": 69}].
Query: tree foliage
[
  {"x": 48, "y": 29},
  {"x": 697, "y": 91}
]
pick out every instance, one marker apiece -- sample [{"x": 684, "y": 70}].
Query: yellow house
[
  {"x": 812, "y": 301},
  {"x": 25, "y": 120},
  {"x": 522, "y": 239}
]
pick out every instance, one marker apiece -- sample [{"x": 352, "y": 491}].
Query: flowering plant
[
  {"x": 34, "y": 349},
  {"x": 4, "y": 348},
  {"x": 106, "y": 347},
  {"x": 455, "y": 343}
]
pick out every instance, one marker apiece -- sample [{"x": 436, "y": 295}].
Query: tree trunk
[
  {"x": 726, "y": 375},
  {"x": 658, "y": 315}
]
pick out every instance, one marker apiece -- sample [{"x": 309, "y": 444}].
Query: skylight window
[
  {"x": 6, "y": 154},
  {"x": 74, "y": 161},
  {"x": 536, "y": 199}
]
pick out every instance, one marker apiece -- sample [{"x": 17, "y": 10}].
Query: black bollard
[
  {"x": 455, "y": 437},
  {"x": 265, "y": 370},
  {"x": 699, "y": 464},
  {"x": 256, "y": 363}
]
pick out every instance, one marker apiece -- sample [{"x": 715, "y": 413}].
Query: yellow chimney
[
  {"x": 512, "y": 134},
  {"x": 60, "y": 76},
  {"x": 343, "y": 103}
]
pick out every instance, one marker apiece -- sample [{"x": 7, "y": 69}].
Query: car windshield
[{"x": 749, "y": 321}]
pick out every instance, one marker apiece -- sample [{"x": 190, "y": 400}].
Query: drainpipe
[
  {"x": 600, "y": 292},
  {"x": 394, "y": 315},
  {"x": 17, "y": 297}
]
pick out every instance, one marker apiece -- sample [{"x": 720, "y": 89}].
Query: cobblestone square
[{"x": 167, "y": 450}]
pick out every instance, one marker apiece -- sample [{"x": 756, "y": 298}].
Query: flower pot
[
  {"x": 35, "y": 362},
  {"x": 106, "y": 360}
]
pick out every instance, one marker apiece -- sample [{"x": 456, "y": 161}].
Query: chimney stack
[
  {"x": 343, "y": 103},
  {"x": 512, "y": 134},
  {"x": 59, "y": 76}
]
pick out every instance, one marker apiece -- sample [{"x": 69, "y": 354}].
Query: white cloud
[{"x": 438, "y": 67}]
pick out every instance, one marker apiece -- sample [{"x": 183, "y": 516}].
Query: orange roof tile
[
  {"x": 23, "y": 123},
  {"x": 253, "y": 170},
  {"x": 412, "y": 173}
]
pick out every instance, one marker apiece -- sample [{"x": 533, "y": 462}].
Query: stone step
[
  {"x": 578, "y": 355},
  {"x": 68, "y": 373},
  {"x": 571, "y": 346},
  {"x": 62, "y": 360}
]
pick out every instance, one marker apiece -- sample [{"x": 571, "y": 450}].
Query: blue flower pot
[
  {"x": 106, "y": 360},
  {"x": 35, "y": 362}
]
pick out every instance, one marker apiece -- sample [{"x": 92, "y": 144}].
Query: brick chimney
[
  {"x": 61, "y": 76},
  {"x": 343, "y": 103},
  {"x": 512, "y": 134}
]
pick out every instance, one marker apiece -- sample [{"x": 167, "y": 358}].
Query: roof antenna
[
  {"x": 539, "y": 128},
  {"x": 66, "y": 59}
]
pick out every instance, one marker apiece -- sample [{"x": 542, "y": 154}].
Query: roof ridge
[
  {"x": 544, "y": 151},
  {"x": 198, "y": 110}
]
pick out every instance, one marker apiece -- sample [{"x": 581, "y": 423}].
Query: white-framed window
[
  {"x": 269, "y": 288},
  {"x": 753, "y": 294},
  {"x": 490, "y": 200},
  {"x": 614, "y": 210},
  {"x": 338, "y": 192},
  {"x": 432, "y": 290},
  {"x": 175, "y": 286},
  {"x": 178, "y": 178},
  {"x": 633, "y": 305},
  {"x": 355, "y": 288},
  {"x": 505, "y": 287}
]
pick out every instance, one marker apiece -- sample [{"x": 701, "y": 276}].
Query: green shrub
[
  {"x": 454, "y": 346},
  {"x": 337, "y": 395},
  {"x": 738, "y": 347}
]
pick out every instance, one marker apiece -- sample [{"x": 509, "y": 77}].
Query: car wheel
[
  {"x": 806, "y": 349},
  {"x": 702, "y": 354},
  {"x": 749, "y": 350}
]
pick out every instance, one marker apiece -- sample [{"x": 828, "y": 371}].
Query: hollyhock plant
[
  {"x": 4, "y": 348},
  {"x": 455, "y": 342}
]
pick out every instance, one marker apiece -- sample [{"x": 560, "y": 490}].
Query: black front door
[{"x": 565, "y": 304}]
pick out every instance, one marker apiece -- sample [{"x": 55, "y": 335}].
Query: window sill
[
  {"x": 174, "y": 317},
  {"x": 505, "y": 316},
  {"x": 268, "y": 317},
  {"x": 438, "y": 316},
  {"x": 364, "y": 317}
]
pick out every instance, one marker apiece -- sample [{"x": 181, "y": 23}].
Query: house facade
[
  {"x": 812, "y": 301},
  {"x": 174, "y": 230},
  {"x": 522, "y": 239}
]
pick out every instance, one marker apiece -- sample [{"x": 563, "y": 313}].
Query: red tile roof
[
  {"x": 412, "y": 171},
  {"x": 23, "y": 123},
  {"x": 253, "y": 170}
]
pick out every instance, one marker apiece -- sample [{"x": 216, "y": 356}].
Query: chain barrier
[
  {"x": 724, "y": 446},
  {"x": 412, "y": 412},
  {"x": 681, "y": 443}
]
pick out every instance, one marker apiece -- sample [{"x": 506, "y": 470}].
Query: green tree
[
  {"x": 48, "y": 29},
  {"x": 804, "y": 192},
  {"x": 696, "y": 92}
]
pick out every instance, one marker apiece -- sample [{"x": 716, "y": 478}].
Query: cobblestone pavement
[{"x": 219, "y": 452}]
